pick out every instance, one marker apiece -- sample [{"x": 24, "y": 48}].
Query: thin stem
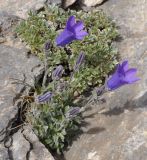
[{"x": 46, "y": 71}]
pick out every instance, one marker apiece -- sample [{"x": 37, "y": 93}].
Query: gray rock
[
  {"x": 14, "y": 64},
  {"x": 90, "y": 3},
  {"x": 67, "y": 3},
  {"x": 119, "y": 131},
  {"x": 38, "y": 150},
  {"x": 7, "y": 22},
  {"x": 3, "y": 153},
  {"x": 21, "y": 8},
  {"x": 20, "y": 146},
  {"x": 26, "y": 146},
  {"x": 57, "y": 2},
  {"x": 6, "y": 26}
]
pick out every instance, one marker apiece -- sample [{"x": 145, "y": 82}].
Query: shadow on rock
[
  {"x": 95, "y": 130},
  {"x": 140, "y": 102}
]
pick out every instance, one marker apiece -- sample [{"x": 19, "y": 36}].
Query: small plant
[
  {"x": 101, "y": 56},
  {"x": 76, "y": 57}
]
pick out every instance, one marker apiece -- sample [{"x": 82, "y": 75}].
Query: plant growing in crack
[{"x": 76, "y": 58}]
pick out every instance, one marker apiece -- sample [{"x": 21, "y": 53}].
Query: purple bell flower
[
  {"x": 73, "y": 31},
  {"x": 44, "y": 98},
  {"x": 79, "y": 61},
  {"x": 57, "y": 73},
  {"x": 123, "y": 75}
]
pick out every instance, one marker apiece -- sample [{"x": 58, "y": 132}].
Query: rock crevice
[{"x": 14, "y": 64}]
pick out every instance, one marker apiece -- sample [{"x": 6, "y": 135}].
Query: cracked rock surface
[
  {"x": 14, "y": 63},
  {"x": 120, "y": 131},
  {"x": 38, "y": 151},
  {"x": 26, "y": 146},
  {"x": 20, "y": 147},
  {"x": 21, "y": 8}
]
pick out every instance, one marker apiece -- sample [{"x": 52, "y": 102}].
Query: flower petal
[
  {"x": 122, "y": 76},
  {"x": 72, "y": 31},
  {"x": 78, "y": 26},
  {"x": 125, "y": 65},
  {"x": 131, "y": 76},
  {"x": 70, "y": 22},
  {"x": 81, "y": 35},
  {"x": 120, "y": 70},
  {"x": 115, "y": 81},
  {"x": 64, "y": 38}
]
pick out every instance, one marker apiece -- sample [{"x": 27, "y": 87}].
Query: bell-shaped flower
[
  {"x": 123, "y": 75},
  {"x": 73, "y": 31}
]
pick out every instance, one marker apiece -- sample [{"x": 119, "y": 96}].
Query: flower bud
[
  {"x": 57, "y": 73},
  {"x": 73, "y": 112},
  {"x": 44, "y": 97},
  {"x": 47, "y": 45},
  {"x": 79, "y": 61}
]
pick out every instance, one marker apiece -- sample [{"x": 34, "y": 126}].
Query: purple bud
[
  {"x": 61, "y": 86},
  {"x": 100, "y": 90},
  {"x": 47, "y": 45},
  {"x": 73, "y": 112},
  {"x": 57, "y": 73},
  {"x": 79, "y": 61},
  {"x": 44, "y": 98}
]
